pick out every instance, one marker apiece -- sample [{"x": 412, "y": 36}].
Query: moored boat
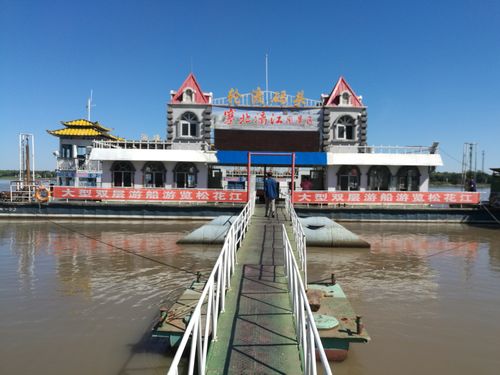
[{"x": 337, "y": 323}]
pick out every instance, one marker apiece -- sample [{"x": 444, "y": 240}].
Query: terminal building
[{"x": 208, "y": 141}]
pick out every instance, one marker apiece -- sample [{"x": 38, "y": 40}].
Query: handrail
[
  {"x": 299, "y": 236},
  {"x": 305, "y": 327},
  {"x": 366, "y": 149},
  {"x": 219, "y": 280}
]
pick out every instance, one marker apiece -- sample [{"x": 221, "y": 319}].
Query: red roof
[
  {"x": 199, "y": 96},
  {"x": 340, "y": 87}
]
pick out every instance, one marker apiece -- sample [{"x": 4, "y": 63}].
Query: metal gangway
[{"x": 245, "y": 274}]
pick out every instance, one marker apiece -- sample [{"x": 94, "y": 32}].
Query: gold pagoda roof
[
  {"x": 82, "y": 122},
  {"x": 83, "y": 128}
]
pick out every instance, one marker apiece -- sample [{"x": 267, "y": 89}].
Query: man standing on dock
[{"x": 270, "y": 194}]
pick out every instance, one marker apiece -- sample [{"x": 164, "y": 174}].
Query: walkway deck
[{"x": 256, "y": 332}]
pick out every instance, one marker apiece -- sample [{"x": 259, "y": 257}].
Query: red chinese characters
[
  {"x": 229, "y": 116},
  {"x": 385, "y": 197},
  {"x": 265, "y": 118},
  {"x": 143, "y": 194}
]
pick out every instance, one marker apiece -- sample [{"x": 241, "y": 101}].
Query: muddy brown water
[{"x": 73, "y": 300}]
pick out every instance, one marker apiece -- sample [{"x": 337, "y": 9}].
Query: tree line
[
  {"x": 455, "y": 178},
  {"x": 12, "y": 173}
]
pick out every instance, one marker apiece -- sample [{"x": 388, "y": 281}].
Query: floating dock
[{"x": 256, "y": 332}]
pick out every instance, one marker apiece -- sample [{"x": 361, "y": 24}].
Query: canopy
[{"x": 271, "y": 158}]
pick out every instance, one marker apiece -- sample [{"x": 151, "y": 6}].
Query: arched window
[
  {"x": 348, "y": 177},
  {"x": 122, "y": 173},
  {"x": 379, "y": 178},
  {"x": 188, "y": 125},
  {"x": 345, "y": 98},
  {"x": 154, "y": 174},
  {"x": 188, "y": 96},
  {"x": 408, "y": 179},
  {"x": 185, "y": 175},
  {"x": 345, "y": 128}
]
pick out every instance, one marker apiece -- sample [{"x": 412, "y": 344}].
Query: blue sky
[{"x": 427, "y": 70}]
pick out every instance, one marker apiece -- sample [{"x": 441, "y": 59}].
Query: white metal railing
[
  {"x": 305, "y": 327},
  {"x": 22, "y": 191},
  {"x": 269, "y": 98},
  {"x": 299, "y": 236},
  {"x": 385, "y": 149},
  {"x": 133, "y": 144},
  {"x": 214, "y": 292},
  {"x": 66, "y": 164}
]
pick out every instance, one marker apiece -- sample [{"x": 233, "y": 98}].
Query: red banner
[
  {"x": 145, "y": 194},
  {"x": 385, "y": 197}
]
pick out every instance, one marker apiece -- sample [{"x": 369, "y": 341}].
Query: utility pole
[
  {"x": 267, "y": 83},
  {"x": 469, "y": 162}
]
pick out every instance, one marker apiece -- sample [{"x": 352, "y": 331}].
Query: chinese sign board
[
  {"x": 385, "y": 197},
  {"x": 144, "y": 194},
  {"x": 265, "y": 98},
  {"x": 269, "y": 119}
]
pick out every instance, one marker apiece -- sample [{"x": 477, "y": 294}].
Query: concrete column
[
  {"x": 424, "y": 178},
  {"x": 331, "y": 177},
  {"x": 363, "y": 178}
]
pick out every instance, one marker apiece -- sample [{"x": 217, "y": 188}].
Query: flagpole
[{"x": 267, "y": 82}]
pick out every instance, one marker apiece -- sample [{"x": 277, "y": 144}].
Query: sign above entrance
[
  {"x": 266, "y": 98},
  {"x": 268, "y": 119}
]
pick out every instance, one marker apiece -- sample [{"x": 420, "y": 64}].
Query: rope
[{"x": 122, "y": 249}]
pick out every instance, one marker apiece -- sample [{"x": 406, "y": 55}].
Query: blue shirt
[{"x": 270, "y": 189}]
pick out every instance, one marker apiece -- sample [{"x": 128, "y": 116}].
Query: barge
[{"x": 337, "y": 323}]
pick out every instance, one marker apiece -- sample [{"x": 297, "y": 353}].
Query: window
[
  {"x": 66, "y": 151},
  {"x": 345, "y": 128},
  {"x": 185, "y": 175},
  {"x": 340, "y": 131},
  {"x": 345, "y": 98},
  {"x": 408, "y": 179},
  {"x": 379, "y": 178},
  {"x": 154, "y": 174},
  {"x": 188, "y": 125},
  {"x": 123, "y": 174},
  {"x": 188, "y": 96},
  {"x": 87, "y": 182},
  {"x": 81, "y": 151},
  {"x": 348, "y": 178}
]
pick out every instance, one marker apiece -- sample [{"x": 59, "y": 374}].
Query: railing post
[
  {"x": 305, "y": 328},
  {"x": 214, "y": 292},
  {"x": 199, "y": 349},
  {"x": 194, "y": 341}
]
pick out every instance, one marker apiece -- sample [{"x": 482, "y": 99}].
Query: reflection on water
[
  {"x": 429, "y": 295},
  {"x": 78, "y": 303},
  {"x": 75, "y": 301}
]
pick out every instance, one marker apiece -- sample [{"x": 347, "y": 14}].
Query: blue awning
[{"x": 241, "y": 158}]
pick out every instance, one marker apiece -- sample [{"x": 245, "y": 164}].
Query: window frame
[
  {"x": 157, "y": 171},
  {"x": 66, "y": 151},
  {"x": 117, "y": 169},
  {"x": 189, "y": 124},
  {"x": 348, "y": 124},
  {"x": 189, "y": 174},
  {"x": 344, "y": 131}
]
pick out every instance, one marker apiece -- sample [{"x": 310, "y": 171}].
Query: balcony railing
[
  {"x": 134, "y": 144},
  {"x": 386, "y": 149},
  {"x": 64, "y": 164}
]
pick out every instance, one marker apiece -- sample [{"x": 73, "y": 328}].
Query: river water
[{"x": 75, "y": 301}]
